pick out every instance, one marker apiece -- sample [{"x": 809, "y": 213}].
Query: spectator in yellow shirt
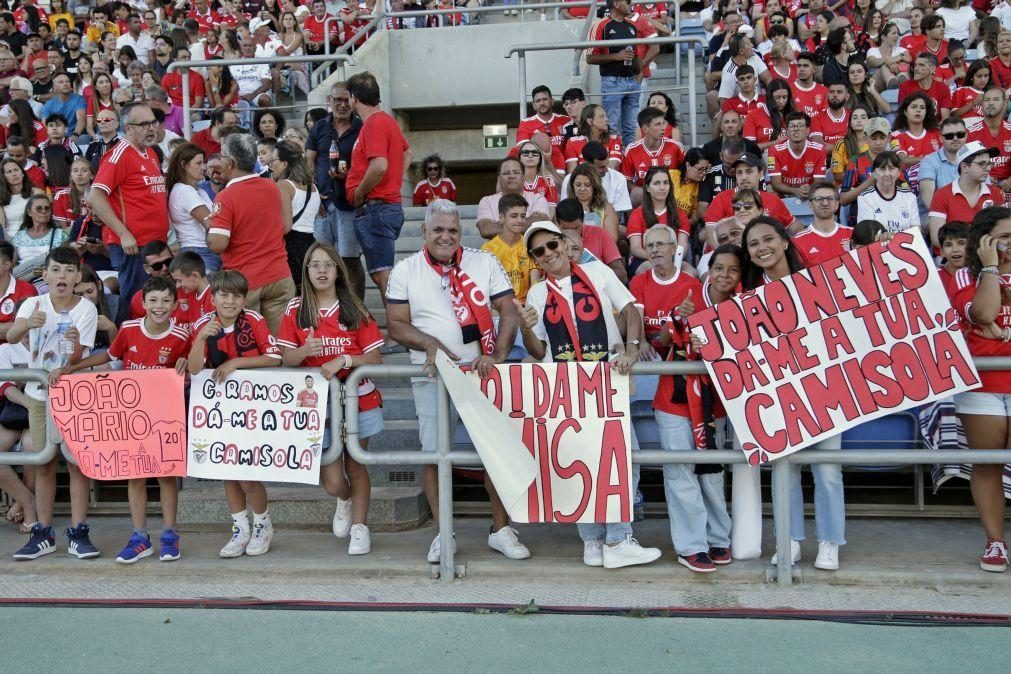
[
  {"x": 97, "y": 26},
  {"x": 508, "y": 246}
]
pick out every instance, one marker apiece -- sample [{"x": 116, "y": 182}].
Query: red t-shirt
[
  {"x": 554, "y": 128},
  {"x": 830, "y": 129},
  {"x": 673, "y": 294},
  {"x": 965, "y": 291},
  {"x": 17, "y": 290},
  {"x": 812, "y": 101},
  {"x": 265, "y": 344},
  {"x": 574, "y": 149},
  {"x": 1002, "y": 141},
  {"x": 544, "y": 186},
  {"x": 313, "y": 29},
  {"x": 952, "y": 206},
  {"x": 913, "y": 44},
  {"x": 815, "y": 247},
  {"x": 758, "y": 126},
  {"x": 600, "y": 244},
  {"x": 637, "y": 223},
  {"x": 638, "y": 159},
  {"x": 938, "y": 92},
  {"x": 136, "y": 187},
  {"x": 658, "y": 299},
  {"x": 62, "y": 213},
  {"x": 140, "y": 350},
  {"x": 89, "y": 106},
  {"x": 196, "y": 304},
  {"x": 797, "y": 169},
  {"x": 172, "y": 83},
  {"x": 248, "y": 211},
  {"x": 722, "y": 206},
  {"x": 205, "y": 141},
  {"x": 1000, "y": 73},
  {"x": 965, "y": 96},
  {"x": 379, "y": 137},
  {"x": 338, "y": 340},
  {"x": 742, "y": 106},
  {"x": 425, "y": 192},
  {"x": 948, "y": 281},
  {"x": 206, "y": 21},
  {"x": 916, "y": 146}
]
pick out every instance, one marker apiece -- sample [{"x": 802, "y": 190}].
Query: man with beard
[{"x": 828, "y": 126}]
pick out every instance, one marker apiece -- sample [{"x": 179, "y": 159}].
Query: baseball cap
[
  {"x": 745, "y": 28},
  {"x": 540, "y": 226},
  {"x": 969, "y": 150},
  {"x": 877, "y": 125},
  {"x": 256, "y": 24},
  {"x": 21, "y": 84},
  {"x": 751, "y": 159}
]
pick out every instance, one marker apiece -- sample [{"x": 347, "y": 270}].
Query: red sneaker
[
  {"x": 720, "y": 556},
  {"x": 699, "y": 563},
  {"x": 994, "y": 557}
]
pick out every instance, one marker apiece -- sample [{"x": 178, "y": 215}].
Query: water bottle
[
  {"x": 629, "y": 53},
  {"x": 65, "y": 346},
  {"x": 334, "y": 158}
]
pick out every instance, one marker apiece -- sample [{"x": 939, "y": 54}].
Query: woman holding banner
[
  {"x": 553, "y": 330},
  {"x": 770, "y": 256},
  {"x": 982, "y": 298},
  {"x": 329, "y": 327}
]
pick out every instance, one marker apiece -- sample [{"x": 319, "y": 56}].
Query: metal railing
[
  {"x": 185, "y": 66},
  {"x": 522, "y": 49},
  {"x": 446, "y": 458},
  {"x": 47, "y": 453}
]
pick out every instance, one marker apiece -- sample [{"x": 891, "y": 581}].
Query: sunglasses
[
  {"x": 158, "y": 266},
  {"x": 431, "y": 168},
  {"x": 744, "y": 205},
  {"x": 530, "y": 153},
  {"x": 953, "y": 135},
  {"x": 539, "y": 251},
  {"x": 41, "y": 209}
]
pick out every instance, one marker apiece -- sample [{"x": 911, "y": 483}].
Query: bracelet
[
  {"x": 990, "y": 269},
  {"x": 347, "y": 362}
]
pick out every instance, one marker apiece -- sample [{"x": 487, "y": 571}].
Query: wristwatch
[{"x": 635, "y": 342}]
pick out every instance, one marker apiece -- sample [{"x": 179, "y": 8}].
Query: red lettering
[
  {"x": 804, "y": 358},
  {"x": 917, "y": 317},
  {"x": 781, "y": 305},
  {"x": 491, "y": 387},
  {"x": 712, "y": 347},
  {"x": 609, "y": 394},
  {"x": 728, "y": 378},
  {"x": 796, "y": 414},
  {"x": 614, "y": 457},
  {"x": 861, "y": 269},
  {"x": 589, "y": 385},
  {"x": 544, "y": 458},
  {"x": 858, "y": 382},
  {"x": 516, "y": 391},
  {"x": 895, "y": 320},
  {"x": 892, "y": 394},
  {"x": 834, "y": 334},
  {"x": 753, "y": 413},
  {"x": 902, "y": 246},
  {"x": 908, "y": 371},
  {"x": 751, "y": 371},
  {"x": 542, "y": 391},
  {"x": 815, "y": 295},
  {"x": 843, "y": 300},
  {"x": 759, "y": 319},
  {"x": 883, "y": 271},
  {"x": 574, "y": 469},
  {"x": 734, "y": 325},
  {"x": 779, "y": 356},
  {"x": 830, "y": 394},
  {"x": 868, "y": 314},
  {"x": 533, "y": 502},
  {"x": 560, "y": 399},
  {"x": 949, "y": 358}
]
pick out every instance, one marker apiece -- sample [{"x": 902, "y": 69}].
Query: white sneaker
[
  {"x": 628, "y": 553},
  {"x": 507, "y": 541},
  {"x": 237, "y": 546},
  {"x": 435, "y": 550},
  {"x": 260, "y": 543},
  {"x": 342, "y": 518},
  {"x": 593, "y": 553},
  {"x": 361, "y": 540},
  {"x": 828, "y": 556},
  {"x": 794, "y": 553}
]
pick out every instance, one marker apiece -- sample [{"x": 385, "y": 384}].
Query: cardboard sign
[
  {"x": 122, "y": 425},
  {"x": 573, "y": 419},
  {"x": 257, "y": 425},
  {"x": 856, "y": 338}
]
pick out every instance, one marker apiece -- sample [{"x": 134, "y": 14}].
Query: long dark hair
[
  {"x": 352, "y": 310},
  {"x": 5, "y": 189},
  {"x": 57, "y": 160},
  {"x": 585, "y": 120},
  {"x": 88, "y": 275},
  {"x": 181, "y": 156},
  {"x": 970, "y": 73},
  {"x": 672, "y": 114},
  {"x": 929, "y": 120},
  {"x": 25, "y": 126},
  {"x": 752, "y": 274},
  {"x": 777, "y": 117},
  {"x": 26, "y": 222},
  {"x": 982, "y": 224},
  {"x": 647, "y": 201}
]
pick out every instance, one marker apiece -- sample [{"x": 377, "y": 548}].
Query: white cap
[
  {"x": 969, "y": 149},
  {"x": 257, "y": 23},
  {"x": 540, "y": 226}
]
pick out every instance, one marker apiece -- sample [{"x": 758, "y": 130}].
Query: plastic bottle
[
  {"x": 630, "y": 53},
  {"x": 65, "y": 346},
  {"x": 334, "y": 158}
]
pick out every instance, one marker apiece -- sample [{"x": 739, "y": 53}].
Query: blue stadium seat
[
  {"x": 895, "y": 431},
  {"x": 800, "y": 208},
  {"x": 891, "y": 97}
]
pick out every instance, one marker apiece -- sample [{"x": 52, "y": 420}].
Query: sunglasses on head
[
  {"x": 552, "y": 245},
  {"x": 158, "y": 266}
]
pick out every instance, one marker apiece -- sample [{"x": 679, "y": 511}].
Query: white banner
[
  {"x": 257, "y": 425},
  {"x": 859, "y": 337}
]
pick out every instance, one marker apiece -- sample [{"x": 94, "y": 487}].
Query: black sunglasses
[
  {"x": 953, "y": 135},
  {"x": 158, "y": 266},
  {"x": 539, "y": 251}
]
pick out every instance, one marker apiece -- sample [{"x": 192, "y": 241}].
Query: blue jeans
[
  {"x": 377, "y": 226},
  {"x": 212, "y": 261},
  {"x": 696, "y": 505},
  {"x": 616, "y": 531},
  {"x": 337, "y": 228},
  {"x": 131, "y": 277},
  {"x": 621, "y": 103},
  {"x": 829, "y": 501}
]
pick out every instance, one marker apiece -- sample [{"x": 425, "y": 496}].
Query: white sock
[
  {"x": 241, "y": 520},
  {"x": 263, "y": 519}
]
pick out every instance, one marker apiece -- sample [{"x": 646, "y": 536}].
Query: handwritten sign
[
  {"x": 122, "y": 425},
  {"x": 263, "y": 426},
  {"x": 573, "y": 418},
  {"x": 861, "y": 336}
]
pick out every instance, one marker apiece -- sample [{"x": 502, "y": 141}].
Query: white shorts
[{"x": 988, "y": 404}]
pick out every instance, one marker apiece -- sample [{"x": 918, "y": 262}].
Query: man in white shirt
[
  {"x": 254, "y": 82},
  {"x": 141, "y": 42},
  {"x": 614, "y": 182}
]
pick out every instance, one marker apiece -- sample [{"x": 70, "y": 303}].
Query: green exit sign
[
  {"x": 495, "y": 142},
  {"x": 496, "y": 136}
]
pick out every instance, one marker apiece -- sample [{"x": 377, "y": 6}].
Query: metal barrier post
[
  {"x": 677, "y": 49},
  {"x": 447, "y": 563},
  {"x": 781, "y": 519},
  {"x": 46, "y": 454},
  {"x": 523, "y": 84}
]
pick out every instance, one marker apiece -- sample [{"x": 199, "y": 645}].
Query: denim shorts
[
  {"x": 370, "y": 422},
  {"x": 987, "y": 404},
  {"x": 377, "y": 226}
]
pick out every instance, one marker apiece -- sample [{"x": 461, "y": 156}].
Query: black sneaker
[
  {"x": 79, "y": 543},
  {"x": 41, "y": 541}
]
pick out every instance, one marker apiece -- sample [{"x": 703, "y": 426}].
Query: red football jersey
[
  {"x": 812, "y": 100},
  {"x": 137, "y": 310},
  {"x": 544, "y": 186},
  {"x": 16, "y": 291},
  {"x": 194, "y": 305},
  {"x": 796, "y": 169},
  {"x": 722, "y": 206},
  {"x": 916, "y": 146},
  {"x": 206, "y": 21},
  {"x": 655, "y": 297},
  {"x": 658, "y": 298},
  {"x": 1000, "y": 73},
  {"x": 307, "y": 398},
  {"x": 425, "y": 192},
  {"x": 62, "y": 215},
  {"x": 965, "y": 96},
  {"x": 313, "y": 30},
  {"x": 263, "y": 341},
  {"x": 140, "y": 350},
  {"x": 554, "y": 127},
  {"x": 1002, "y": 141},
  {"x": 965, "y": 292},
  {"x": 832, "y": 129},
  {"x": 574, "y": 148},
  {"x": 338, "y": 340},
  {"x": 938, "y": 92},
  {"x": 637, "y": 223},
  {"x": 380, "y": 136},
  {"x": 758, "y": 126},
  {"x": 742, "y": 106},
  {"x": 815, "y": 247},
  {"x": 952, "y": 206},
  {"x": 134, "y": 183},
  {"x": 638, "y": 159}
]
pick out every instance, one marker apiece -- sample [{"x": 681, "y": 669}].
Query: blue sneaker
[
  {"x": 137, "y": 548},
  {"x": 169, "y": 546},
  {"x": 79, "y": 543},
  {"x": 41, "y": 542}
]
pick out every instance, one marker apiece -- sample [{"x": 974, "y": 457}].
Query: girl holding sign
[
  {"x": 329, "y": 327},
  {"x": 770, "y": 256},
  {"x": 983, "y": 298}
]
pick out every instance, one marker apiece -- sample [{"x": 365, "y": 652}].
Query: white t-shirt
[
  {"x": 876, "y": 51},
  {"x": 413, "y": 281},
  {"x": 898, "y": 7},
  {"x": 143, "y": 45},
  {"x": 728, "y": 82},
  {"x": 615, "y": 186},
  {"x": 43, "y": 342},
  {"x": 1003, "y": 12},
  {"x": 896, "y": 214},
  {"x": 613, "y": 296},
  {"x": 182, "y": 200},
  {"x": 250, "y": 76},
  {"x": 956, "y": 21}
]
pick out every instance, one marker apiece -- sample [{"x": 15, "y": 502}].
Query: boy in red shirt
[
  {"x": 192, "y": 286},
  {"x": 148, "y": 343},
  {"x": 954, "y": 237},
  {"x": 218, "y": 343}
]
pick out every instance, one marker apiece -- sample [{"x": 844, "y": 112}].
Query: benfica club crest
[{"x": 163, "y": 355}]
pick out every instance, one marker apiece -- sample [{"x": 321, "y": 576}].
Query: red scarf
[
  {"x": 470, "y": 304},
  {"x": 568, "y": 337}
]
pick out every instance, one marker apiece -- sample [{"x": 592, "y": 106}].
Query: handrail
[
  {"x": 185, "y": 66},
  {"x": 522, "y": 49},
  {"x": 445, "y": 458},
  {"x": 47, "y": 453},
  {"x": 375, "y": 21},
  {"x": 326, "y": 32}
]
